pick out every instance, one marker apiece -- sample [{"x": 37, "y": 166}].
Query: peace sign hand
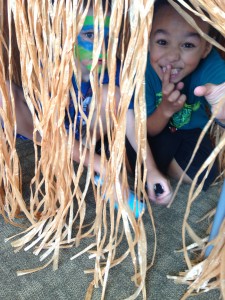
[{"x": 172, "y": 100}]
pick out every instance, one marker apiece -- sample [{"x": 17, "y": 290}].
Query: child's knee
[{"x": 213, "y": 174}]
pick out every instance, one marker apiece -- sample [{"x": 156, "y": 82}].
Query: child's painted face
[
  {"x": 85, "y": 42},
  {"x": 174, "y": 42}
]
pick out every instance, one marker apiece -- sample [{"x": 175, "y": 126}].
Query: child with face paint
[
  {"x": 184, "y": 80},
  {"x": 83, "y": 54},
  {"x": 84, "y": 47}
]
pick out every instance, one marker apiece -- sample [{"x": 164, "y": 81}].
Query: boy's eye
[
  {"x": 88, "y": 35},
  {"x": 188, "y": 45},
  {"x": 161, "y": 42}
]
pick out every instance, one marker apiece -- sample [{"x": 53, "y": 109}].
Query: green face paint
[
  {"x": 89, "y": 21},
  {"x": 99, "y": 68},
  {"x": 84, "y": 47}
]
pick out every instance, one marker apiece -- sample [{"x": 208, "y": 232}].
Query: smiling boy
[{"x": 180, "y": 60}]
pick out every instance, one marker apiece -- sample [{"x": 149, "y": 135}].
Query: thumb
[
  {"x": 212, "y": 92},
  {"x": 203, "y": 90}
]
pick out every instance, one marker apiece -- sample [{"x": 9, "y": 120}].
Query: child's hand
[
  {"x": 158, "y": 187},
  {"x": 213, "y": 94},
  {"x": 172, "y": 100}
]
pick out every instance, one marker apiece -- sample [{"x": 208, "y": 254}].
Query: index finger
[{"x": 166, "y": 75}]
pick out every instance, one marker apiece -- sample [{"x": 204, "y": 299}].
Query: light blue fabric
[
  {"x": 218, "y": 219},
  {"x": 135, "y": 205}
]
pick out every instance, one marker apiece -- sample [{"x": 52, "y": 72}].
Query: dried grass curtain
[
  {"x": 209, "y": 272},
  {"x": 10, "y": 179},
  {"x": 45, "y": 32}
]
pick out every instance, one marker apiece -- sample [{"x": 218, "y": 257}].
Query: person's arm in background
[
  {"x": 172, "y": 101},
  {"x": 212, "y": 83},
  {"x": 153, "y": 174},
  {"x": 214, "y": 94}
]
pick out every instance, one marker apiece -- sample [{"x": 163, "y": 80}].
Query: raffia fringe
[{"x": 37, "y": 52}]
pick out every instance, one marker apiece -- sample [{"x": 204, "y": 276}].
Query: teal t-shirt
[{"x": 194, "y": 113}]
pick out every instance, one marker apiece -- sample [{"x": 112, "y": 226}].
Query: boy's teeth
[{"x": 174, "y": 71}]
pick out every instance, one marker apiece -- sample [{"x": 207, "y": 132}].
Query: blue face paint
[
  {"x": 84, "y": 48},
  {"x": 88, "y": 46},
  {"x": 86, "y": 37}
]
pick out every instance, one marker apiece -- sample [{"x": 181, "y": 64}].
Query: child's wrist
[
  {"x": 220, "y": 122},
  {"x": 165, "y": 112}
]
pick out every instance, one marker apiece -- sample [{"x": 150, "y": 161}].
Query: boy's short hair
[{"x": 160, "y": 3}]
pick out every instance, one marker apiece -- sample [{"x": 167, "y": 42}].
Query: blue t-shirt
[
  {"x": 86, "y": 86},
  {"x": 87, "y": 95},
  {"x": 194, "y": 113}
]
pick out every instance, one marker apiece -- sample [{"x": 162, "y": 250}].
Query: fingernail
[{"x": 158, "y": 189}]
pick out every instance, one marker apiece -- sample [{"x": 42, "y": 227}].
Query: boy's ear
[{"x": 208, "y": 48}]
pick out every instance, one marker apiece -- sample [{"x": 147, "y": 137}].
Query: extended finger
[
  {"x": 180, "y": 86},
  {"x": 166, "y": 75}
]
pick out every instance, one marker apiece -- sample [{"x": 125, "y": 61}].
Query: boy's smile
[{"x": 174, "y": 42}]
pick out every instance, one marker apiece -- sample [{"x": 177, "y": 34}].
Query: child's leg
[
  {"x": 162, "y": 154},
  {"x": 103, "y": 113},
  {"x": 185, "y": 151},
  {"x": 175, "y": 171},
  {"x": 172, "y": 152},
  {"x": 131, "y": 157},
  {"x": 164, "y": 147},
  {"x": 103, "y": 121}
]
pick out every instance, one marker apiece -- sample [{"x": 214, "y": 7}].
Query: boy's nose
[{"x": 173, "y": 55}]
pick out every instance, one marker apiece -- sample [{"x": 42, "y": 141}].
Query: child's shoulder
[
  {"x": 211, "y": 69},
  {"x": 214, "y": 56},
  {"x": 213, "y": 60}
]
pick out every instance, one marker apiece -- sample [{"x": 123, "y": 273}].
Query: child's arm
[
  {"x": 172, "y": 101},
  {"x": 96, "y": 160},
  {"x": 24, "y": 121},
  {"x": 214, "y": 94},
  {"x": 153, "y": 174},
  {"x": 24, "y": 124}
]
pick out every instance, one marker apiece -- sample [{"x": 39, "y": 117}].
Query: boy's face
[
  {"x": 85, "y": 42},
  {"x": 174, "y": 42}
]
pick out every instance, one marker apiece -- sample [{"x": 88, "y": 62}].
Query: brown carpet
[{"x": 70, "y": 282}]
